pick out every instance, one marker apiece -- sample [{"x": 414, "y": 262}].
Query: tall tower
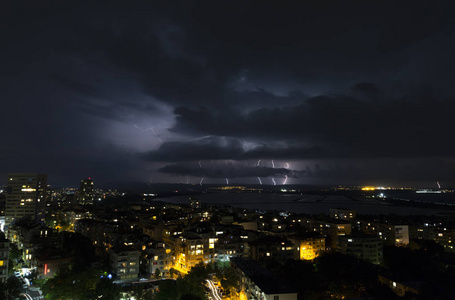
[
  {"x": 86, "y": 192},
  {"x": 25, "y": 197}
]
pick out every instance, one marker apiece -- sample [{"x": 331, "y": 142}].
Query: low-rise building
[
  {"x": 308, "y": 247},
  {"x": 157, "y": 259},
  {"x": 391, "y": 234},
  {"x": 365, "y": 247},
  {"x": 269, "y": 247},
  {"x": 257, "y": 282},
  {"x": 399, "y": 287},
  {"x": 48, "y": 261},
  {"x": 331, "y": 229},
  {"x": 342, "y": 213},
  {"x": 124, "y": 261},
  {"x": 4, "y": 255}
]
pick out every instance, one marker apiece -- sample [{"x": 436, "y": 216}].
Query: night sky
[{"x": 337, "y": 92}]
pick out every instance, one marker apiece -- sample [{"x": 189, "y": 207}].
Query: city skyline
[{"x": 233, "y": 93}]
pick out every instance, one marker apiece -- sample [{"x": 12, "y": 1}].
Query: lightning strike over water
[
  {"x": 439, "y": 186},
  {"x": 227, "y": 181},
  {"x": 273, "y": 166},
  {"x": 202, "y": 179},
  {"x": 286, "y": 176},
  {"x": 200, "y": 164},
  {"x": 257, "y": 165}
]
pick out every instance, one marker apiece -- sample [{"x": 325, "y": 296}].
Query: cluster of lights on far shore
[{"x": 374, "y": 188}]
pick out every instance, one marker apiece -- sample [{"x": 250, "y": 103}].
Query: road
[{"x": 213, "y": 290}]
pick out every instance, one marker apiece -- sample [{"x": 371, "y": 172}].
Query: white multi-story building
[
  {"x": 365, "y": 247},
  {"x": 158, "y": 257},
  {"x": 124, "y": 262}
]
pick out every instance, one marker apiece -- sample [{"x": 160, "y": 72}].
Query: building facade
[
  {"x": 86, "y": 192},
  {"x": 4, "y": 252},
  {"x": 124, "y": 262},
  {"x": 259, "y": 283},
  {"x": 25, "y": 197},
  {"x": 342, "y": 213},
  {"x": 308, "y": 248},
  {"x": 365, "y": 247}
]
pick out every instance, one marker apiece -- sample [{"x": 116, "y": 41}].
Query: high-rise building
[
  {"x": 25, "y": 197},
  {"x": 86, "y": 192}
]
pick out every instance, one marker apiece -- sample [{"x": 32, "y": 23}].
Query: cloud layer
[{"x": 341, "y": 92}]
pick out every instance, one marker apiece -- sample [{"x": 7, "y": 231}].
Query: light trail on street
[{"x": 213, "y": 289}]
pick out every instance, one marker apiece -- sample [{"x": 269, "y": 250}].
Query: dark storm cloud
[
  {"x": 86, "y": 83},
  {"x": 365, "y": 87},
  {"x": 388, "y": 127},
  {"x": 213, "y": 148},
  {"x": 229, "y": 170},
  {"x": 405, "y": 171}
]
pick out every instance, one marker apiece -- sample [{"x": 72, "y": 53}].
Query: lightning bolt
[
  {"x": 200, "y": 166},
  {"x": 286, "y": 176},
  {"x": 186, "y": 179},
  {"x": 273, "y": 166},
  {"x": 152, "y": 129},
  {"x": 257, "y": 165},
  {"x": 227, "y": 181},
  {"x": 260, "y": 181}
]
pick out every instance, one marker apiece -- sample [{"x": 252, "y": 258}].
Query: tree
[
  {"x": 76, "y": 284},
  {"x": 138, "y": 292},
  {"x": 14, "y": 252},
  {"x": 174, "y": 273},
  {"x": 107, "y": 289},
  {"x": 11, "y": 289},
  {"x": 15, "y": 256},
  {"x": 157, "y": 273},
  {"x": 191, "y": 286},
  {"x": 230, "y": 280},
  {"x": 168, "y": 290}
]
